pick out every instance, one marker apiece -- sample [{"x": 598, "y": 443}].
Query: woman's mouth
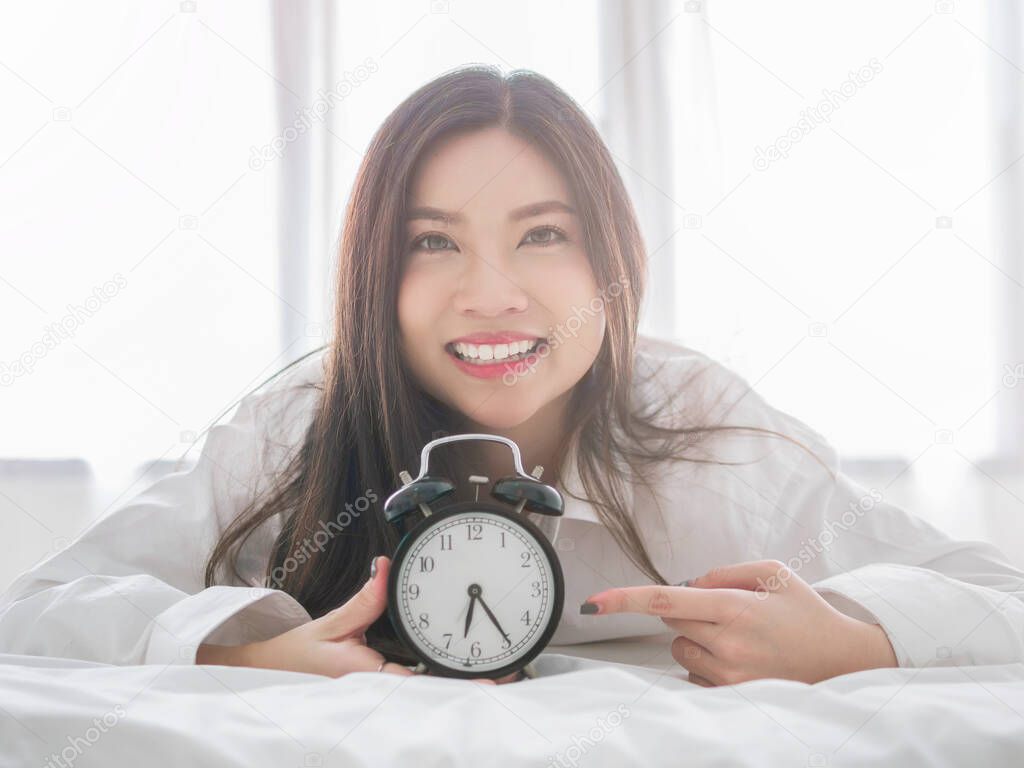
[{"x": 488, "y": 360}]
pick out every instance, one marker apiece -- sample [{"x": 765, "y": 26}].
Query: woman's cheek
[
  {"x": 417, "y": 304},
  {"x": 417, "y": 319}
]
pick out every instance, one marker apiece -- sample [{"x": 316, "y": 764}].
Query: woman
[{"x": 490, "y": 278}]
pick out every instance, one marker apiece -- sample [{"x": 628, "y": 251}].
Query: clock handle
[
  {"x": 425, "y": 453},
  {"x": 521, "y": 490}
]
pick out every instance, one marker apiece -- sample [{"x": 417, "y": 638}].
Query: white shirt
[{"x": 129, "y": 589}]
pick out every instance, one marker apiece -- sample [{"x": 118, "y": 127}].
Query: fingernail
[
  {"x": 686, "y": 583},
  {"x": 373, "y": 570},
  {"x": 589, "y": 608}
]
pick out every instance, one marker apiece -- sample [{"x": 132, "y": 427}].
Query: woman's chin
[{"x": 492, "y": 417}]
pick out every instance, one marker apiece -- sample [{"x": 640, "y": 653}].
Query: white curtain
[
  {"x": 1006, "y": 30},
  {"x": 658, "y": 119}
]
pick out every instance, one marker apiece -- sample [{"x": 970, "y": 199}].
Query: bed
[{"x": 614, "y": 703}]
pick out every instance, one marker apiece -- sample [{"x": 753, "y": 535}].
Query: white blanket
[{"x": 579, "y": 711}]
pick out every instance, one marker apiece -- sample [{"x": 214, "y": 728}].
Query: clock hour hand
[{"x": 495, "y": 620}]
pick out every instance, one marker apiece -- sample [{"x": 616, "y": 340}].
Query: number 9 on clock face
[{"x": 476, "y": 590}]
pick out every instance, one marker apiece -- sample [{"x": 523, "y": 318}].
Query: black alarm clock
[{"x": 476, "y": 589}]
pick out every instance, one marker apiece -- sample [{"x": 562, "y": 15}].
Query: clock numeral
[
  {"x": 536, "y": 589},
  {"x": 414, "y": 591},
  {"x": 424, "y": 621},
  {"x": 502, "y": 539},
  {"x": 448, "y": 640},
  {"x": 505, "y": 642},
  {"x": 426, "y": 563},
  {"x": 526, "y": 559},
  {"x": 474, "y": 649},
  {"x": 474, "y": 531},
  {"x": 525, "y": 618},
  {"x": 446, "y": 541}
]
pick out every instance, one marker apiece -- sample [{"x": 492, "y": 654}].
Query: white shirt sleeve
[
  {"x": 130, "y": 590},
  {"x": 940, "y": 601}
]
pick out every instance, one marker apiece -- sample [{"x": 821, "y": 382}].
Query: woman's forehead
[{"x": 484, "y": 171}]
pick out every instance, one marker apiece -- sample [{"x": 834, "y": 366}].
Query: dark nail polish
[
  {"x": 373, "y": 569},
  {"x": 589, "y": 608}
]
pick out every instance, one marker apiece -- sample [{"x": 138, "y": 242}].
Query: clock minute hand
[
  {"x": 493, "y": 618},
  {"x": 469, "y": 614}
]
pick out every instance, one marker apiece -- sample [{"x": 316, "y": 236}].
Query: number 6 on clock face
[{"x": 476, "y": 589}]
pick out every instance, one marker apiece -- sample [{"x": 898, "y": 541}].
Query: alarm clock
[{"x": 476, "y": 589}]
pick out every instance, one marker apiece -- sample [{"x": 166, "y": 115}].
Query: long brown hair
[{"x": 373, "y": 418}]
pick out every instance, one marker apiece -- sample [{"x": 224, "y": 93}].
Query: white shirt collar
[{"x": 577, "y": 508}]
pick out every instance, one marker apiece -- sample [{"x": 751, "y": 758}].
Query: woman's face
[{"x": 494, "y": 261}]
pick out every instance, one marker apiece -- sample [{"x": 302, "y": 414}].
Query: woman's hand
[
  {"x": 755, "y": 620},
  {"x": 332, "y": 645}
]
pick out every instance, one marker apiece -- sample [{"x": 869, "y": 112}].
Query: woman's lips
[{"x": 516, "y": 366}]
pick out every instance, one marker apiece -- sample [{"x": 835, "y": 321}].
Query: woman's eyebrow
[
  {"x": 523, "y": 212},
  {"x": 537, "y": 209},
  {"x": 433, "y": 214}
]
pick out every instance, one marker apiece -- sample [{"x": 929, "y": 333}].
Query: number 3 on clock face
[{"x": 476, "y": 590}]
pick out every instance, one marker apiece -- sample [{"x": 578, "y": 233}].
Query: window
[
  {"x": 857, "y": 282},
  {"x": 139, "y": 260}
]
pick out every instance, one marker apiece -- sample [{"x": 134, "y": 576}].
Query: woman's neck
[{"x": 538, "y": 439}]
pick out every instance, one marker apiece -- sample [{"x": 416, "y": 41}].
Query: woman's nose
[{"x": 486, "y": 288}]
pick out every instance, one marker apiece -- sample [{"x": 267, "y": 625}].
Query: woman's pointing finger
[{"x": 654, "y": 600}]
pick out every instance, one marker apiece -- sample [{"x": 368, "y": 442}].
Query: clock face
[{"x": 477, "y": 592}]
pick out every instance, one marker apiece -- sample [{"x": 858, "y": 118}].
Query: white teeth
[{"x": 493, "y": 351}]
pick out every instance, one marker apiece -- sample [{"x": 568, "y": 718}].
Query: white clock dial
[{"x": 484, "y": 567}]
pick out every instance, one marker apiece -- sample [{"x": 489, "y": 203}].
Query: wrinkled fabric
[{"x": 129, "y": 589}]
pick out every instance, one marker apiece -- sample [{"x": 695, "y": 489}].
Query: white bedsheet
[{"x": 578, "y": 712}]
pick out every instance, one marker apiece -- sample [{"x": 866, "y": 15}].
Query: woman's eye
[
  {"x": 432, "y": 242},
  {"x": 543, "y": 236}
]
